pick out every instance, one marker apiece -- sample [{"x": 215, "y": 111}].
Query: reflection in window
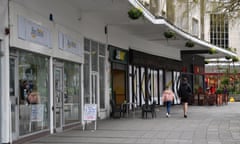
[
  {"x": 94, "y": 55},
  {"x": 94, "y": 62},
  {"x": 86, "y": 78},
  {"x": 71, "y": 92},
  {"x": 34, "y": 92},
  {"x": 195, "y": 28}
]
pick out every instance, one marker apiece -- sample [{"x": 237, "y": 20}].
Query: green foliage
[
  {"x": 219, "y": 91},
  {"x": 231, "y": 7},
  {"x": 189, "y": 44},
  {"x": 232, "y": 49},
  {"x": 212, "y": 51},
  {"x": 235, "y": 59},
  {"x": 225, "y": 81},
  {"x": 169, "y": 34},
  {"x": 228, "y": 57},
  {"x": 195, "y": 1},
  {"x": 135, "y": 13}
]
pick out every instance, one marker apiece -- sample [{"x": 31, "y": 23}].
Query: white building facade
[{"x": 56, "y": 57}]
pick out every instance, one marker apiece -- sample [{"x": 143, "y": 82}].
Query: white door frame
[
  {"x": 95, "y": 99},
  {"x": 58, "y": 89},
  {"x": 14, "y": 99}
]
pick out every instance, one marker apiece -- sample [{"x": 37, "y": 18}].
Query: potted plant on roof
[
  {"x": 135, "y": 13},
  {"x": 169, "y": 34},
  {"x": 189, "y": 44}
]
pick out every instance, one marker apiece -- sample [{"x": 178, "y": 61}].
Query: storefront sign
[
  {"x": 33, "y": 32},
  {"x": 120, "y": 55},
  {"x": 68, "y": 44}
]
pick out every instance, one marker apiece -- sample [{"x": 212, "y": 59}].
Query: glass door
[
  {"x": 13, "y": 97},
  {"x": 58, "y": 97}
]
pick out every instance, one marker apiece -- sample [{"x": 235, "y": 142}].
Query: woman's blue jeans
[{"x": 168, "y": 105}]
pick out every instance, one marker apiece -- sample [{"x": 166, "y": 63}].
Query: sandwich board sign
[{"x": 90, "y": 114}]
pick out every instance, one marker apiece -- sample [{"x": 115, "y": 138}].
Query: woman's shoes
[
  {"x": 185, "y": 116},
  {"x": 167, "y": 115}
]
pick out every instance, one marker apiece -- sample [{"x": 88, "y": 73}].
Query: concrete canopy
[{"x": 114, "y": 13}]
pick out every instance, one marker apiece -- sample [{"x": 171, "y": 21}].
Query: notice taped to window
[{"x": 90, "y": 112}]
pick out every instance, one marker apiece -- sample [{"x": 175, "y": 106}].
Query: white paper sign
[
  {"x": 37, "y": 112},
  {"x": 90, "y": 112}
]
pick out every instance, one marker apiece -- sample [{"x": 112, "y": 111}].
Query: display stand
[
  {"x": 36, "y": 115},
  {"x": 90, "y": 114}
]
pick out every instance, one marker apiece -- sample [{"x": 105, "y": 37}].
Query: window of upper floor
[
  {"x": 219, "y": 34},
  {"x": 195, "y": 27}
]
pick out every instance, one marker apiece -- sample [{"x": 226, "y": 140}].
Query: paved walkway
[{"x": 204, "y": 125}]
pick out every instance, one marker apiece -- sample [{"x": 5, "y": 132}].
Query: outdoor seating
[
  {"x": 116, "y": 109},
  {"x": 128, "y": 107},
  {"x": 149, "y": 109},
  {"x": 212, "y": 99}
]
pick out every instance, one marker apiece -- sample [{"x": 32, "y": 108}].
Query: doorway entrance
[
  {"x": 58, "y": 96},
  {"x": 119, "y": 85}
]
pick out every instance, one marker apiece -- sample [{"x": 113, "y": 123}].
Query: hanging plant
[
  {"x": 234, "y": 50},
  {"x": 134, "y": 13},
  {"x": 235, "y": 59},
  {"x": 212, "y": 51},
  {"x": 189, "y": 44},
  {"x": 228, "y": 57},
  {"x": 169, "y": 34}
]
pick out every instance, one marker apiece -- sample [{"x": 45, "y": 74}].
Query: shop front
[
  {"x": 150, "y": 75},
  {"x": 119, "y": 74},
  {"x": 45, "y": 90},
  {"x": 193, "y": 68},
  {"x": 66, "y": 93},
  {"x": 29, "y": 92}
]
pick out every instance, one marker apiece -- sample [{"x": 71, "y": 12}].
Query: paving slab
[{"x": 204, "y": 125}]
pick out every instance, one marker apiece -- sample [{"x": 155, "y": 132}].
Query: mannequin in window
[{"x": 33, "y": 98}]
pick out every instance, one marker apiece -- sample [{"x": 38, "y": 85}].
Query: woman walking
[
  {"x": 168, "y": 97},
  {"x": 185, "y": 93}
]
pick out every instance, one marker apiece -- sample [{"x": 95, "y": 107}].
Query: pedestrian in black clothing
[{"x": 185, "y": 91}]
